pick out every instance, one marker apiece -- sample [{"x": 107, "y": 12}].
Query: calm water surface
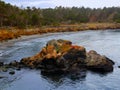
[{"x": 104, "y": 42}]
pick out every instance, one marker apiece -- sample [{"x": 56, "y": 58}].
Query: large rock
[
  {"x": 73, "y": 58},
  {"x": 96, "y": 62},
  {"x": 53, "y": 50},
  {"x": 70, "y": 60},
  {"x": 60, "y": 56}
]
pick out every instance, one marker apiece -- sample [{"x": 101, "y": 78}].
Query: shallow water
[{"x": 104, "y": 42}]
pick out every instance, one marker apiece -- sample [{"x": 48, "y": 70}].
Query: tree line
[{"x": 14, "y": 16}]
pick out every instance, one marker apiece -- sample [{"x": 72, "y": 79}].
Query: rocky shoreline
[{"x": 60, "y": 56}]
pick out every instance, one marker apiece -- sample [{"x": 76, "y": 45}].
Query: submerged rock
[
  {"x": 12, "y": 72},
  {"x": 60, "y": 56}
]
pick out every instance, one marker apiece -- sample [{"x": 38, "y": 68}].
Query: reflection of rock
[
  {"x": 58, "y": 79},
  {"x": 60, "y": 56}
]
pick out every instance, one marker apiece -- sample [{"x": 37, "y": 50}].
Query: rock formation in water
[{"x": 60, "y": 56}]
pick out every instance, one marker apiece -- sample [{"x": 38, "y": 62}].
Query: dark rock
[
  {"x": 1, "y": 63},
  {"x": 96, "y": 62},
  {"x": 73, "y": 58},
  {"x": 118, "y": 66},
  {"x": 14, "y": 63},
  {"x": 2, "y": 77},
  {"x": 12, "y": 72}
]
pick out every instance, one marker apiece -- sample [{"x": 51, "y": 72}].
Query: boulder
[
  {"x": 53, "y": 50},
  {"x": 71, "y": 60},
  {"x": 74, "y": 57},
  {"x": 96, "y": 62}
]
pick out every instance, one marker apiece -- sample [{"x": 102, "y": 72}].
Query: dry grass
[{"x": 7, "y": 34}]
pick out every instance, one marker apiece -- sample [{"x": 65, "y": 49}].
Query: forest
[{"x": 13, "y": 16}]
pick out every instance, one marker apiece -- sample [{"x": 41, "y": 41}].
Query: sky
[{"x": 65, "y": 3}]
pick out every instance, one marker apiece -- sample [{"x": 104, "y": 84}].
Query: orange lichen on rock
[
  {"x": 78, "y": 47},
  {"x": 64, "y": 48},
  {"x": 53, "y": 50}
]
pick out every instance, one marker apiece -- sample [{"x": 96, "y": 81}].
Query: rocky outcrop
[
  {"x": 60, "y": 56},
  {"x": 96, "y": 62},
  {"x": 53, "y": 50}
]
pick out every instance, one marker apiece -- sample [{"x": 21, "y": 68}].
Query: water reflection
[
  {"x": 59, "y": 79},
  {"x": 101, "y": 74},
  {"x": 55, "y": 81}
]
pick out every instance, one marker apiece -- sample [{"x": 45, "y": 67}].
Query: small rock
[
  {"x": 118, "y": 66},
  {"x": 2, "y": 77},
  {"x": 18, "y": 68},
  {"x": 14, "y": 63},
  {"x": 1, "y": 63},
  {"x": 4, "y": 69},
  {"x": 12, "y": 72}
]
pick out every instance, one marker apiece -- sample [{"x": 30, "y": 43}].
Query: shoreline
[
  {"x": 25, "y": 38},
  {"x": 17, "y": 33}
]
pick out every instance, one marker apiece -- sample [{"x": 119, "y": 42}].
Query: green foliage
[
  {"x": 22, "y": 18},
  {"x": 14, "y": 16},
  {"x": 117, "y": 17}
]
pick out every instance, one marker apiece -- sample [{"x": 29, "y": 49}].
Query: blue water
[{"x": 104, "y": 42}]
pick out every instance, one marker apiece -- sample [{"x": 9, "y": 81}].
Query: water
[{"x": 104, "y": 42}]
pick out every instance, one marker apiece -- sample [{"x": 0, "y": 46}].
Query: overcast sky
[{"x": 65, "y": 3}]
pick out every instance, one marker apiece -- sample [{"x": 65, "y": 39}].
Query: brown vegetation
[{"x": 11, "y": 33}]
